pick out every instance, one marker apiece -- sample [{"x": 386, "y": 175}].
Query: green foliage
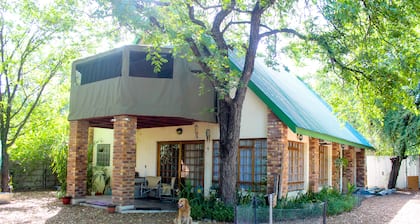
[
  {"x": 100, "y": 179},
  {"x": 206, "y": 208},
  {"x": 351, "y": 188},
  {"x": 39, "y": 41},
  {"x": 337, "y": 202},
  {"x": 245, "y": 197},
  {"x": 89, "y": 178},
  {"x": 401, "y": 132},
  {"x": 59, "y": 164}
]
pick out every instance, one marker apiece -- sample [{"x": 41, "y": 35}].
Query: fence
[{"x": 258, "y": 212}]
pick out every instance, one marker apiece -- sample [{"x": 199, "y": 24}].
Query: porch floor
[{"x": 143, "y": 205}]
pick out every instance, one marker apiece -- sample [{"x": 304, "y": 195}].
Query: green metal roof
[{"x": 298, "y": 106}]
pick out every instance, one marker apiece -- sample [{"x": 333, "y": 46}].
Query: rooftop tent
[
  {"x": 298, "y": 106},
  {"x": 123, "y": 81}
]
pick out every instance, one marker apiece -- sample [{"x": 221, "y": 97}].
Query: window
[
  {"x": 141, "y": 67},
  {"x": 103, "y": 154},
  {"x": 296, "y": 166},
  {"x": 194, "y": 160},
  {"x": 323, "y": 165},
  {"x": 184, "y": 160},
  {"x": 252, "y": 164},
  {"x": 101, "y": 68}
]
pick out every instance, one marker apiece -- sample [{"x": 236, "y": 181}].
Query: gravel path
[{"x": 43, "y": 207}]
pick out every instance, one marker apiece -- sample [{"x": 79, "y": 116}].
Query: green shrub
[
  {"x": 206, "y": 208},
  {"x": 337, "y": 202}
]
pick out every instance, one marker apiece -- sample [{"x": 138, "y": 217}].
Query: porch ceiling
[{"x": 143, "y": 122}]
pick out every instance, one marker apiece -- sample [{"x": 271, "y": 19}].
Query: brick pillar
[
  {"x": 277, "y": 153},
  {"x": 124, "y": 160},
  {"x": 77, "y": 158},
  {"x": 313, "y": 164},
  {"x": 335, "y": 167},
  {"x": 361, "y": 168},
  {"x": 348, "y": 171}
]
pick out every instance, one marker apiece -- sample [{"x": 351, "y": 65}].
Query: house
[{"x": 157, "y": 124}]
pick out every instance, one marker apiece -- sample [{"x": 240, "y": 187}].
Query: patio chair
[
  {"x": 152, "y": 185},
  {"x": 168, "y": 190}
]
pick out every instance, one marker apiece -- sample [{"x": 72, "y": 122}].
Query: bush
[
  {"x": 337, "y": 202},
  {"x": 206, "y": 208}
]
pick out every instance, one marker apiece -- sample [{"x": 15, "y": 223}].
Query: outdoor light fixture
[
  {"x": 179, "y": 131},
  {"x": 299, "y": 136}
]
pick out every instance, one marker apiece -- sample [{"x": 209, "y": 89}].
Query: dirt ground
[{"x": 43, "y": 207}]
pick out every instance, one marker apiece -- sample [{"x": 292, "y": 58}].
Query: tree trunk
[
  {"x": 229, "y": 122},
  {"x": 4, "y": 169},
  {"x": 396, "y": 164}
]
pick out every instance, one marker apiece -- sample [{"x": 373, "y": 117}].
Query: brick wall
[
  {"x": 348, "y": 171},
  {"x": 77, "y": 158},
  {"x": 361, "y": 168},
  {"x": 277, "y": 153},
  {"x": 335, "y": 168},
  {"x": 313, "y": 164},
  {"x": 124, "y": 160}
]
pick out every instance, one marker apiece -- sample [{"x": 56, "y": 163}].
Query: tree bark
[
  {"x": 4, "y": 169},
  {"x": 396, "y": 164},
  {"x": 229, "y": 122}
]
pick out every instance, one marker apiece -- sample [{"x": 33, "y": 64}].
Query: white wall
[
  {"x": 379, "y": 168},
  {"x": 103, "y": 136},
  {"x": 254, "y": 117}
]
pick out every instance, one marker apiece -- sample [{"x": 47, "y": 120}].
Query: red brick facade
[
  {"x": 77, "y": 159},
  {"x": 349, "y": 170},
  {"x": 124, "y": 160},
  {"x": 277, "y": 153},
  {"x": 335, "y": 174},
  {"x": 313, "y": 164},
  {"x": 361, "y": 179}
]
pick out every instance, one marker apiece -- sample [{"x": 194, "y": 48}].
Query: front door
[{"x": 183, "y": 160}]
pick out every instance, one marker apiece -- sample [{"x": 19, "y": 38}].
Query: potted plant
[
  {"x": 66, "y": 200},
  {"x": 111, "y": 208},
  {"x": 100, "y": 179}
]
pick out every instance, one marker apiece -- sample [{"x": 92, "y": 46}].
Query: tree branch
[
  {"x": 207, "y": 7},
  {"x": 215, "y": 31},
  {"x": 234, "y": 23},
  {"x": 192, "y": 17},
  {"x": 53, "y": 72}
]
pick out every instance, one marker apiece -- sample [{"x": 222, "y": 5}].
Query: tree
[
  {"x": 401, "y": 131},
  {"x": 377, "y": 70},
  {"x": 43, "y": 140},
  {"x": 375, "y": 58},
  {"x": 26, "y": 32},
  {"x": 205, "y": 31},
  {"x": 37, "y": 43}
]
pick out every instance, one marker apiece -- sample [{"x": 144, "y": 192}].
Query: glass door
[{"x": 183, "y": 160}]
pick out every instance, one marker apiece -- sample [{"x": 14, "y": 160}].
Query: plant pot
[
  {"x": 111, "y": 208},
  {"x": 66, "y": 200}
]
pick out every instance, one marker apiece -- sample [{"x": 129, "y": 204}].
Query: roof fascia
[{"x": 330, "y": 138}]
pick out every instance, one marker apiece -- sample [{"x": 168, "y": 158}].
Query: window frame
[
  {"x": 103, "y": 158},
  {"x": 253, "y": 184},
  {"x": 323, "y": 165},
  {"x": 296, "y": 166}
]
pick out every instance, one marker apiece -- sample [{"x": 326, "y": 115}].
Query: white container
[{"x": 5, "y": 197}]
